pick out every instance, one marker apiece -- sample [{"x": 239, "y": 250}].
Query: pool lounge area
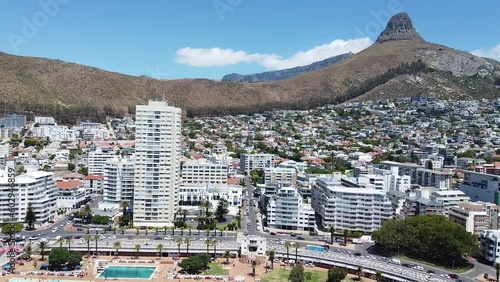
[
  {"x": 127, "y": 272},
  {"x": 45, "y": 280}
]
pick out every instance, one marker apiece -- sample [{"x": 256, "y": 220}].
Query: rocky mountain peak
[{"x": 399, "y": 27}]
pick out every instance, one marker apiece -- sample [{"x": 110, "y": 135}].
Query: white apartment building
[
  {"x": 71, "y": 194},
  {"x": 278, "y": 175},
  {"x": 475, "y": 217},
  {"x": 37, "y": 188},
  {"x": 45, "y": 120},
  {"x": 249, "y": 162},
  {"x": 449, "y": 198},
  {"x": 157, "y": 164},
  {"x": 392, "y": 179},
  {"x": 349, "y": 208},
  {"x": 253, "y": 246},
  {"x": 286, "y": 210},
  {"x": 118, "y": 181},
  {"x": 481, "y": 187},
  {"x": 440, "y": 179},
  {"x": 97, "y": 159},
  {"x": 56, "y": 132},
  {"x": 191, "y": 195},
  {"x": 204, "y": 172},
  {"x": 490, "y": 246}
]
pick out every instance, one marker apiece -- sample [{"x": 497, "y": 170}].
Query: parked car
[
  {"x": 272, "y": 233},
  {"x": 300, "y": 238},
  {"x": 453, "y": 275}
]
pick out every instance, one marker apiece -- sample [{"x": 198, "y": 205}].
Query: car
[
  {"x": 55, "y": 229},
  {"x": 156, "y": 238},
  {"x": 430, "y": 271},
  {"x": 78, "y": 237},
  {"x": 33, "y": 238},
  {"x": 272, "y": 233},
  {"x": 168, "y": 238},
  {"x": 300, "y": 238},
  {"x": 357, "y": 254},
  {"x": 67, "y": 237},
  {"x": 41, "y": 234},
  {"x": 293, "y": 235},
  {"x": 418, "y": 267},
  {"x": 453, "y": 275},
  {"x": 444, "y": 275},
  {"x": 406, "y": 265}
]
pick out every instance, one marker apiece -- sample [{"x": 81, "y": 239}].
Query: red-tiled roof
[
  {"x": 94, "y": 177},
  {"x": 69, "y": 184},
  {"x": 73, "y": 175},
  {"x": 233, "y": 181}
]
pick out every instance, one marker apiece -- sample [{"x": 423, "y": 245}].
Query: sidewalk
[{"x": 46, "y": 226}]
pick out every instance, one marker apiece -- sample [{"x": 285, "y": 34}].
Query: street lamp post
[{"x": 453, "y": 266}]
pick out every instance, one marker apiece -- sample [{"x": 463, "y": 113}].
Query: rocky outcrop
[
  {"x": 286, "y": 73},
  {"x": 399, "y": 27}
]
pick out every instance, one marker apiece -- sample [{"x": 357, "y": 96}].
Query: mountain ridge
[
  {"x": 71, "y": 92},
  {"x": 285, "y": 73}
]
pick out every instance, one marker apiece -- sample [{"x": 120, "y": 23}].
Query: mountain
[
  {"x": 285, "y": 73},
  {"x": 399, "y": 64}
]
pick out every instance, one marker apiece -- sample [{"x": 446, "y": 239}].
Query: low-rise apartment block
[
  {"x": 481, "y": 187},
  {"x": 199, "y": 172},
  {"x": 249, "y": 162},
  {"x": 476, "y": 217}
]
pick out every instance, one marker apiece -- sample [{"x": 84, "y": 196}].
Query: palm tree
[
  {"x": 124, "y": 205},
  {"x": 137, "y": 230},
  {"x": 179, "y": 242},
  {"x": 146, "y": 231},
  {"x": 122, "y": 229},
  {"x": 87, "y": 239},
  {"x": 41, "y": 246},
  {"x": 96, "y": 239},
  {"x": 165, "y": 228},
  {"x": 173, "y": 230},
  {"x": 182, "y": 230},
  {"x": 378, "y": 276},
  {"x": 187, "y": 242},
  {"x": 346, "y": 233},
  {"x": 114, "y": 230},
  {"x": 86, "y": 213},
  {"x": 221, "y": 230},
  {"x": 60, "y": 240},
  {"x": 288, "y": 245},
  {"x": 271, "y": 255},
  {"x": 159, "y": 248},
  {"x": 214, "y": 243},
  {"x": 117, "y": 245},
  {"x": 208, "y": 243},
  {"x": 359, "y": 271},
  {"x": 156, "y": 230},
  {"x": 332, "y": 232},
  {"x": 227, "y": 254},
  {"x": 208, "y": 231},
  {"x": 497, "y": 268},
  {"x": 137, "y": 249},
  {"x": 254, "y": 265},
  {"x": 68, "y": 241},
  {"x": 189, "y": 231},
  {"x": 296, "y": 246}
]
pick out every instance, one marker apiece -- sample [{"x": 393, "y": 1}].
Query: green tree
[
  {"x": 429, "y": 237},
  {"x": 297, "y": 274},
  {"x": 188, "y": 243},
  {"x": 359, "y": 272},
  {"x": 332, "y": 234},
  {"x": 71, "y": 166},
  {"x": 222, "y": 210},
  {"x": 378, "y": 276},
  {"x": 30, "y": 217},
  {"x": 254, "y": 265},
  {"x": 179, "y": 242},
  {"x": 137, "y": 248},
  {"x": 117, "y": 245},
  {"x": 60, "y": 241},
  {"x": 11, "y": 228},
  {"x": 296, "y": 246},
  {"x": 42, "y": 245},
  {"x": 271, "y": 254},
  {"x": 195, "y": 264},
  {"x": 336, "y": 275},
  {"x": 346, "y": 234},
  {"x": 227, "y": 255},
  {"x": 68, "y": 241},
  {"x": 288, "y": 245},
  {"x": 87, "y": 239},
  {"x": 159, "y": 248},
  {"x": 63, "y": 256}
]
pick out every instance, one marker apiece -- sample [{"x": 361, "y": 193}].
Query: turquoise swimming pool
[
  {"x": 127, "y": 272},
  {"x": 37, "y": 279}
]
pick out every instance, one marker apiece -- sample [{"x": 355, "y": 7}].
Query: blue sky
[{"x": 210, "y": 38}]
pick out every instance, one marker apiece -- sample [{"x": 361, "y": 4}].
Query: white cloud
[
  {"x": 493, "y": 53},
  {"x": 218, "y": 57}
]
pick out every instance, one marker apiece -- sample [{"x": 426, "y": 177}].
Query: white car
[
  {"x": 444, "y": 275},
  {"x": 418, "y": 267},
  {"x": 33, "y": 238},
  {"x": 54, "y": 229},
  {"x": 167, "y": 238}
]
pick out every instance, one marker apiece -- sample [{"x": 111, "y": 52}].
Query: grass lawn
[
  {"x": 216, "y": 269},
  {"x": 280, "y": 275}
]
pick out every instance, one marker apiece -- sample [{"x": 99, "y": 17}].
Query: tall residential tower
[{"x": 157, "y": 164}]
